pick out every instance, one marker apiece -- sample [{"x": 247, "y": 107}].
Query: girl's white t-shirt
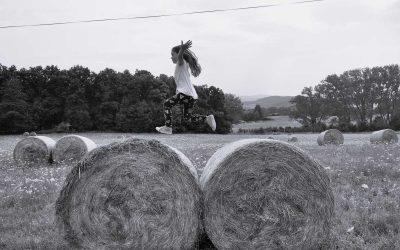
[{"x": 182, "y": 79}]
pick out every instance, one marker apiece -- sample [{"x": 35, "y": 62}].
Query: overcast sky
[{"x": 268, "y": 51}]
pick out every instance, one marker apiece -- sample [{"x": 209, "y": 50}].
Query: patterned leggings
[{"x": 188, "y": 103}]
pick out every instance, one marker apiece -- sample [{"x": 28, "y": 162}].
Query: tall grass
[
  {"x": 366, "y": 184},
  {"x": 27, "y": 199}
]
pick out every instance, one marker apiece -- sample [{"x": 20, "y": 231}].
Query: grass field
[{"x": 365, "y": 180}]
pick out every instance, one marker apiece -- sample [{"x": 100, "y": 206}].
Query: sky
[{"x": 266, "y": 51}]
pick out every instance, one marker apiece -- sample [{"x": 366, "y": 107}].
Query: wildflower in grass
[
  {"x": 365, "y": 186},
  {"x": 349, "y": 230}
]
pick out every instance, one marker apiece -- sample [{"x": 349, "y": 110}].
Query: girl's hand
[{"x": 186, "y": 45}]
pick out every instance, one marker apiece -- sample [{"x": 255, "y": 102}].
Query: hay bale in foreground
[
  {"x": 265, "y": 194},
  {"x": 330, "y": 136},
  {"x": 136, "y": 194},
  {"x": 72, "y": 148},
  {"x": 384, "y": 136},
  {"x": 34, "y": 150}
]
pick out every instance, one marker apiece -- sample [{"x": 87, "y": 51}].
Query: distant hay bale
[
  {"x": 270, "y": 137},
  {"x": 292, "y": 139},
  {"x": 135, "y": 194},
  {"x": 330, "y": 136},
  {"x": 264, "y": 194},
  {"x": 384, "y": 136},
  {"x": 34, "y": 150},
  {"x": 72, "y": 148},
  {"x": 32, "y": 134},
  {"x": 25, "y": 134}
]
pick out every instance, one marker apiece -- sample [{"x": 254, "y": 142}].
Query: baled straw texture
[
  {"x": 266, "y": 194},
  {"x": 384, "y": 135},
  {"x": 34, "y": 150},
  {"x": 136, "y": 194},
  {"x": 330, "y": 136},
  {"x": 72, "y": 148}
]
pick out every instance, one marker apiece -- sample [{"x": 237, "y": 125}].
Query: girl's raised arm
[{"x": 184, "y": 46}]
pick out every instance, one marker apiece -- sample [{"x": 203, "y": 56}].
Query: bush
[
  {"x": 62, "y": 127},
  {"x": 223, "y": 125},
  {"x": 79, "y": 120},
  {"x": 378, "y": 123},
  {"x": 395, "y": 122},
  {"x": 13, "y": 122}
]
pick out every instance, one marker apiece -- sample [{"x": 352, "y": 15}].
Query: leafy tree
[
  {"x": 106, "y": 115},
  {"x": 135, "y": 118},
  {"x": 6, "y": 74},
  {"x": 258, "y": 113},
  {"x": 234, "y": 108},
  {"x": 50, "y": 107},
  {"x": 212, "y": 101},
  {"x": 15, "y": 112},
  {"x": 110, "y": 92},
  {"x": 77, "y": 112},
  {"x": 13, "y": 122},
  {"x": 309, "y": 108},
  {"x": 337, "y": 95},
  {"x": 359, "y": 94},
  {"x": 387, "y": 81},
  {"x": 395, "y": 122}
]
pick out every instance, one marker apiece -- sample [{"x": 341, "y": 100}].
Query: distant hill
[
  {"x": 270, "y": 101},
  {"x": 250, "y": 98}
]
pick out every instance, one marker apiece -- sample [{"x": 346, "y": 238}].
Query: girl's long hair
[{"x": 190, "y": 58}]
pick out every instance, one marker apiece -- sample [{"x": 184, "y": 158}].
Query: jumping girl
[{"x": 185, "y": 93}]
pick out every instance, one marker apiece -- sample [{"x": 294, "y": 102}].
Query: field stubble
[{"x": 365, "y": 180}]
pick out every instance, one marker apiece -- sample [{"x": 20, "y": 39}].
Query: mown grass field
[{"x": 365, "y": 180}]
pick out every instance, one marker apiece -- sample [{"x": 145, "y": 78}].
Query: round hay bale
[
  {"x": 265, "y": 194},
  {"x": 72, "y": 148},
  {"x": 25, "y": 134},
  {"x": 330, "y": 136},
  {"x": 292, "y": 139},
  {"x": 32, "y": 134},
  {"x": 34, "y": 150},
  {"x": 270, "y": 137},
  {"x": 135, "y": 194},
  {"x": 384, "y": 136}
]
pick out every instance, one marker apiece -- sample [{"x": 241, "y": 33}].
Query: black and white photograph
[{"x": 200, "y": 125}]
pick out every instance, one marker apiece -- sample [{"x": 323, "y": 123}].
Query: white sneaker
[
  {"x": 211, "y": 122},
  {"x": 164, "y": 130}
]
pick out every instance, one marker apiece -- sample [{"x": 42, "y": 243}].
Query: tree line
[
  {"x": 361, "y": 99},
  {"x": 52, "y": 100}
]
